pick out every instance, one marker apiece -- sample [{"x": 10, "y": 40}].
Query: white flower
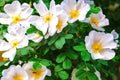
[
  {"x": 100, "y": 45},
  {"x": 36, "y": 74},
  {"x": 16, "y": 14},
  {"x": 62, "y": 20},
  {"x": 36, "y": 37},
  {"x": 98, "y": 20},
  {"x": 75, "y": 10},
  {"x": 16, "y": 39},
  {"x": 14, "y": 73},
  {"x": 48, "y": 18}
]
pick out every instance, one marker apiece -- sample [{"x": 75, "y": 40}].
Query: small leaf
[
  {"x": 45, "y": 62},
  {"x": 67, "y": 64},
  {"x": 60, "y": 42},
  {"x": 72, "y": 55},
  {"x": 80, "y": 47},
  {"x": 63, "y": 75},
  {"x": 58, "y": 68},
  {"x": 85, "y": 56},
  {"x": 37, "y": 65},
  {"x": 24, "y": 51},
  {"x": 60, "y": 58},
  {"x": 68, "y": 36}
]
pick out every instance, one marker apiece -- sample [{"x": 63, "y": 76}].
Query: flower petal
[
  {"x": 23, "y": 43},
  {"x": 13, "y": 9},
  {"x": 26, "y": 11},
  {"x": 10, "y": 54},
  {"x": 5, "y": 19},
  {"x": 108, "y": 54},
  {"x": 41, "y": 8},
  {"x": 4, "y": 45}
]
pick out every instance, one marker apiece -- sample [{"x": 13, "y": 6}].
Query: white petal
[
  {"x": 4, "y": 45},
  {"x": 23, "y": 43},
  {"x": 13, "y": 9},
  {"x": 35, "y": 37},
  {"x": 9, "y": 37},
  {"x": 108, "y": 54},
  {"x": 41, "y": 8},
  {"x": 5, "y": 19},
  {"x": 52, "y": 27},
  {"x": 52, "y": 6},
  {"x": 48, "y": 72},
  {"x": 34, "y": 20},
  {"x": 26, "y": 11},
  {"x": 115, "y": 34},
  {"x": 10, "y": 54}
]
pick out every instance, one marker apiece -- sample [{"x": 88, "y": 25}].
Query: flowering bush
[{"x": 55, "y": 41}]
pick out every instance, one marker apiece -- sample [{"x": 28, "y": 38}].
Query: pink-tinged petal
[
  {"x": 9, "y": 37},
  {"x": 5, "y": 19},
  {"x": 34, "y": 19},
  {"x": 96, "y": 56},
  {"x": 41, "y": 8},
  {"x": 10, "y": 54},
  {"x": 35, "y": 37},
  {"x": 13, "y": 8},
  {"x": 108, "y": 54},
  {"x": 26, "y": 11},
  {"x": 52, "y": 7},
  {"x": 23, "y": 43},
  {"x": 4, "y": 45},
  {"x": 52, "y": 28}
]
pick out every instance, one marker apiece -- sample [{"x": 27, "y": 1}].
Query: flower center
[
  {"x": 14, "y": 44},
  {"x": 1, "y": 58},
  {"x": 16, "y": 19},
  {"x": 18, "y": 77},
  {"x": 47, "y": 18},
  {"x": 97, "y": 47},
  {"x": 37, "y": 73},
  {"x": 95, "y": 21},
  {"x": 74, "y": 14},
  {"x": 59, "y": 25}
]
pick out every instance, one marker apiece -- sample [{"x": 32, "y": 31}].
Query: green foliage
[
  {"x": 63, "y": 75},
  {"x": 60, "y": 43}
]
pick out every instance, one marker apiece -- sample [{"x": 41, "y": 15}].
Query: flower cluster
[{"x": 50, "y": 21}]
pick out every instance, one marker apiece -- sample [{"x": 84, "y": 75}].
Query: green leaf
[
  {"x": 37, "y": 65},
  {"x": 45, "y": 62},
  {"x": 72, "y": 55},
  {"x": 60, "y": 42},
  {"x": 60, "y": 58},
  {"x": 58, "y": 68},
  {"x": 32, "y": 29},
  {"x": 91, "y": 76},
  {"x": 103, "y": 62},
  {"x": 67, "y": 64},
  {"x": 24, "y": 51},
  {"x": 63, "y": 75},
  {"x": 80, "y": 47},
  {"x": 85, "y": 56},
  {"x": 68, "y": 36},
  {"x": 53, "y": 39}
]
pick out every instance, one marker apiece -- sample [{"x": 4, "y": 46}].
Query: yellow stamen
[
  {"x": 74, "y": 14},
  {"x": 1, "y": 58},
  {"x": 37, "y": 73},
  {"x": 14, "y": 43},
  {"x": 59, "y": 25},
  {"x": 16, "y": 19},
  {"x": 47, "y": 18},
  {"x": 97, "y": 47},
  {"x": 18, "y": 77},
  {"x": 95, "y": 21}
]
